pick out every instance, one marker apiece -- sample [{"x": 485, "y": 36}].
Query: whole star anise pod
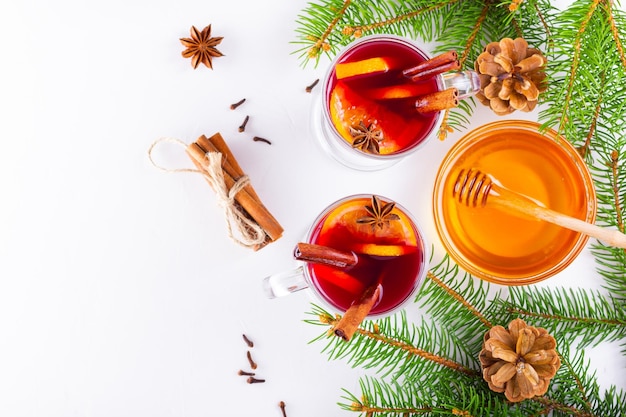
[
  {"x": 519, "y": 361},
  {"x": 201, "y": 47},
  {"x": 511, "y": 76},
  {"x": 379, "y": 213},
  {"x": 366, "y": 138}
]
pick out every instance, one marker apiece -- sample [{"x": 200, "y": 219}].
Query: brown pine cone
[
  {"x": 511, "y": 76},
  {"x": 519, "y": 361}
]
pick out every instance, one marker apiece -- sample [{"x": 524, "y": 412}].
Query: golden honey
[{"x": 493, "y": 243}]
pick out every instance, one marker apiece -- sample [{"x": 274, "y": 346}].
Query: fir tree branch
[
  {"x": 321, "y": 42},
  {"x": 572, "y": 314},
  {"x": 456, "y": 296},
  {"x": 569, "y": 90},
  {"x": 477, "y": 27},
  {"x": 376, "y": 341},
  {"x": 453, "y": 397},
  {"x": 466, "y": 317},
  {"x": 616, "y": 191},
  {"x": 585, "y": 103},
  {"x": 584, "y": 149},
  {"x": 577, "y": 380},
  {"x": 542, "y": 19},
  {"x": 360, "y": 30},
  {"x": 615, "y": 32}
]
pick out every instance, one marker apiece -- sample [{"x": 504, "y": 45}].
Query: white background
[{"x": 120, "y": 294}]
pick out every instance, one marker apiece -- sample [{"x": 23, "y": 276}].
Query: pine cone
[
  {"x": 519, "y": 361},
  {"x": 511, "y": 76}
]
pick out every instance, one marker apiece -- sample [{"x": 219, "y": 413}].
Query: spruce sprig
[
  {"x": 395, "y": 347},
  {"x": 434, "y": 367},
  {"x": 586, "y": 105},
  {"x": 587, "y": 317},
  {"x": 384, "y": 398},
  {"x": 587, "y": 72}
]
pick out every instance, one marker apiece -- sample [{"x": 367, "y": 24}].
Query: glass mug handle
[
  {"x": 284, "y": 283},
  {"x": 466, "y": 82}
]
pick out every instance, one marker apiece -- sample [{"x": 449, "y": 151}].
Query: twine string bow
[
  {"x": 249, "y": 233},
  {"x": 241, "y": 228}
]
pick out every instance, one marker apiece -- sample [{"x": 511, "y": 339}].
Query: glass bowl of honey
[{"x": 499, "y": 245}]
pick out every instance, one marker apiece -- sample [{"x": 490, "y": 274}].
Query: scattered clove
[
  {"x": 260, "y": 139},
  {"x": 237, "y": 104},
  {"x": 253, "y": 364},
  {"x": 309, "y": 88},
  {"x": 253, "y": 380},
  {"x": 248, "y": 341},
  {"x": 282, "y": 408},
  {"x": 244, "y": 373},
  {"x": 243, "y": 125}
]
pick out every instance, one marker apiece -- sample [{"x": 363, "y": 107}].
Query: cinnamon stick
[
  {"x": 325, "y": 255},
  {"x": 255, "y": 209},
  {"x": 229, "y": 164},
  {"x": 448, "y": 61},
  {"x": 437, "y": 101},
  {"x": 227, "y": 156},
  {"x": 354, "y": 316},
  {"x": 431, "y": 72}
]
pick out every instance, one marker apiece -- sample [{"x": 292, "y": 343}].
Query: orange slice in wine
[
  {"x": 394, "y": 232},
  {"x": 364, "y": 67},
  {"x": 342, "y": 280},
  {"x": 375, "y": 249},
  {"x": 395, "y": 92},
  {"x": 350, "y": 109}
]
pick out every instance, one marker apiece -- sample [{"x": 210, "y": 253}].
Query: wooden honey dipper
[{"x": 474, "y": 189}]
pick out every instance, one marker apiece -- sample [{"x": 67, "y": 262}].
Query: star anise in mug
[
  {"x": 201, "y": 47},
  {"x": 379, "y": 213},
  {"x": 366, "y": 138}
]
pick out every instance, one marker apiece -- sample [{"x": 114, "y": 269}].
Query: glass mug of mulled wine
[
  {"x": 361, "y": 249},
  {"x": 383, "y": 97}
]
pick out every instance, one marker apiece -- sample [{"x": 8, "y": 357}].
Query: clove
[
  {"x": 237, "y": 104},
  {"x": 244, "y": 373},
  {"x": 243, "y": 125},
  {"x": 253, "y": 364},
  {"x": 282, "y": 408},
  {"x": 260, "y": 139},
  {"x": 248, "y": 341},
  {"x": 309, "y": 88},
  {"x": 253, "y": 380}
]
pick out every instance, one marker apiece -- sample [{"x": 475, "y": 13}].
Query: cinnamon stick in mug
[
  {"x": 437, "y": 101},
  {"x": 354, "y": 316},
  {"x": 447, "y": 61},
  {"x": 319, "y": 254}
]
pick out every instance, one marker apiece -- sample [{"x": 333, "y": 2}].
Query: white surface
[{"x": 120, "y": 294}]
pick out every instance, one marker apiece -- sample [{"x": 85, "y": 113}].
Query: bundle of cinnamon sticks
[{"x": 246, "y": 199}]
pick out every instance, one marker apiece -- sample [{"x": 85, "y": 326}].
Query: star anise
[
  {"x": 379, "y": 213},
  {"x": 201, "y": 47},
  {"x": 366, "y": 137}
]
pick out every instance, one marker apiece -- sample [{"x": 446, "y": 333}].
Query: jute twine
[{"x": 241, "y": 229}]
